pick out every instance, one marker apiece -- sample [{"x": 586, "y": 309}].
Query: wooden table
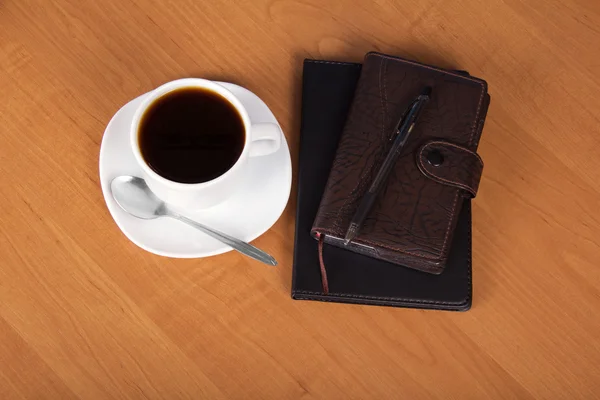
[{"x": 84, "y": 313}]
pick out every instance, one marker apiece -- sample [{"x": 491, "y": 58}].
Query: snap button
[{"x": 435, "y": 158}]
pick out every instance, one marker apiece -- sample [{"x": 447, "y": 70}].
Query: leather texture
[
  {"x": 327, "y": 92},
  {"x": 460, "y": 167},
  {"x": 413, "y": 220}
]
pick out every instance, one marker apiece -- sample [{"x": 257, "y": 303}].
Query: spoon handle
[{"x": 237, "y": 244}]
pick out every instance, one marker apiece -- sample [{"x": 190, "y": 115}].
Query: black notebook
[{"x": 327, "y": 91}]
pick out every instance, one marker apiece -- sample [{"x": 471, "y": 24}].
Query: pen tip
[
  {"x": 350, "y": 233},
  {"x": 426, "y": 91},
  {"x": 348, "y": 238}
]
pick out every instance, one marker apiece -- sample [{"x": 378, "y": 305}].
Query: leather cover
[
  {"x": 327, "y": 92},
  {"x": 414, "y": 218}
]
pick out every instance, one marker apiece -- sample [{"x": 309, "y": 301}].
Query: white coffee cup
[{"x": 260, "y": 139}]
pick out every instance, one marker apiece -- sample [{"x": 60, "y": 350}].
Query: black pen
[{"x": 403, "y": 129}]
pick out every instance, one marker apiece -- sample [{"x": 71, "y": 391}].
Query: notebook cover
[
  {"x": 413, "y": 218},
  {"x": 327, "y": 93}
]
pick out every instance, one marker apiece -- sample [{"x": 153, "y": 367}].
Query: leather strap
[
  {"x": 451, "y": 165},
  {"x": 322, "y": 265}
]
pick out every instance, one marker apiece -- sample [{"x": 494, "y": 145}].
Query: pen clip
[
  {"x": 421, "y": 98},
  {"x": 396, "y": 130}
]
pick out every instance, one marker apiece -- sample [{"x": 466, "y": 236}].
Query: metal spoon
[{"x": 135, "y": 197}]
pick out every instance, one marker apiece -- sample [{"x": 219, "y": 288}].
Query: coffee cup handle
[{"x": 265, "y": 139}]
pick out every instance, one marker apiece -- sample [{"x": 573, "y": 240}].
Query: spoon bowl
[{"x": 133, "y": 195}]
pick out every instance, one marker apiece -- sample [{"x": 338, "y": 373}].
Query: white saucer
[{"x": 248, "y": 214}]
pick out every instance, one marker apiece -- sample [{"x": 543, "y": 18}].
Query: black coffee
[{"x": 191, "y": 135}]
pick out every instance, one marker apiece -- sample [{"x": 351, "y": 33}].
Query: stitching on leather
[
  {"x": 459, "y": 185},
  {"x": 444, "y": 72},
  {"x": 382, "y": 96},
  {"x": 333, "y": 62},
  {"x": 425, "y": 171},
  {"x": 473, "y": 129},
  {"x": 415, "y": 301},
  {"x": 428, "y": 67},
  {"x": 383, "y": 245},
  {"x": 455, "y": 146}
]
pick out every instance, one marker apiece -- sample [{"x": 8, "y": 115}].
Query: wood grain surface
[{"x": 84, "y": 313}]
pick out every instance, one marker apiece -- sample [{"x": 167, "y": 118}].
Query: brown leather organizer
[{"x": 413, "y": 219}]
